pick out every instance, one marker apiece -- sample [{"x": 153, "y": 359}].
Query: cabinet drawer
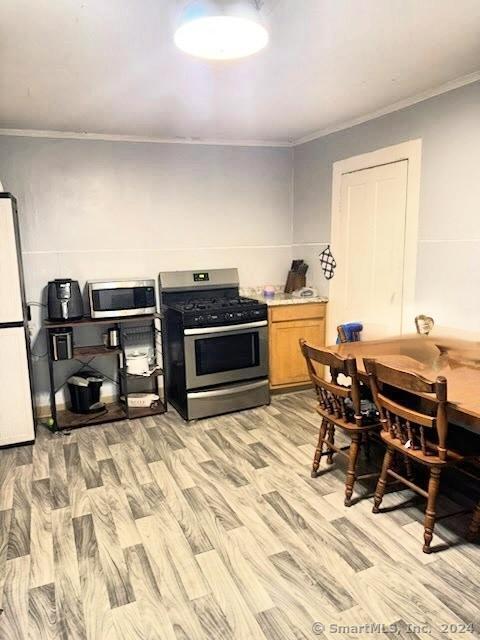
[{"x": 303, "y": 311}]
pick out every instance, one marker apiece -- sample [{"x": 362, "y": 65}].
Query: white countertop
[
  {"x": 280, "y": 297},
  {"x": 287, "y": 298}
]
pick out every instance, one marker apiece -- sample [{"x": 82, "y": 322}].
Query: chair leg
[
  {"x": 382, "y": 481},
  {"x": 319, "y": 449},
  {"x": 430, "y": 512},
  {"x": 330, "y": 440},
  {"x": 366, "y": 444},
  {"x": 409, "y": 469},
  {"x": 474, "y": 528},
  {"x": 352, "y": 467}
]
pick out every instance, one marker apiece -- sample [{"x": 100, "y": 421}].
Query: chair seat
[
  {"x": 453, "y": 457},
  {"x": 345, "y": 424}
]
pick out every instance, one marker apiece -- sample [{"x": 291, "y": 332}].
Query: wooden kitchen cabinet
[{"x": 287, "y": 324}]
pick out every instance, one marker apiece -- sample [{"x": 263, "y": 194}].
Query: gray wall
[
  {"x": 95, "y": 209},
  {"x": 448, "y": 267}
]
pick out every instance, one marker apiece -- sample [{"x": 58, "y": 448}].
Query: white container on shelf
[
  {"x": 142, "y": 400},
  {"x": 137, "y": 363}
]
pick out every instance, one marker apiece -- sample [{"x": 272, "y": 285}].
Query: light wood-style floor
[{"x": 161, "y": 529}]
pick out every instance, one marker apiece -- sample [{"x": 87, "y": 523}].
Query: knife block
[{"x": 295, "y": 281}]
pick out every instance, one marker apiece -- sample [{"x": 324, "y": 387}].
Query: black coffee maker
[{"x": 64, "y": 300}]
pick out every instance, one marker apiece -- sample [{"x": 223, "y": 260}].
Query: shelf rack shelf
[
  {"x": 87, "y": 320},
  {"x": 144, "y": 412},
  {"x": 153, "y": 374},
  {"x": 95, "y": 350},
  {"x": 116, "y": 410}
]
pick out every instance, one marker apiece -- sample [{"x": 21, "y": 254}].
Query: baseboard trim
[{"x": 290, "y": 388}]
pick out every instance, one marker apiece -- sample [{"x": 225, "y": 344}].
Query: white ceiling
[{"x": 110, "y": 67}]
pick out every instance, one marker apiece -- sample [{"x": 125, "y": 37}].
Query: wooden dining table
[{"x": 430, "y": 356}]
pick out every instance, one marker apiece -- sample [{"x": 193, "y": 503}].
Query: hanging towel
[{"x": 327, "y": 262}]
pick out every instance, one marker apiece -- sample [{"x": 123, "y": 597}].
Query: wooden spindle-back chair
[
  {"x": 339, "y": 406},
  {"x": 474, "y": 529},
  {"x": 421, "y": 437}
]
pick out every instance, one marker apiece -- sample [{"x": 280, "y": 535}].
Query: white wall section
[
  {"x": 97, "y": 209},
  {"x": 448, "y": 260},
  {"x": 94, "y": 209}
]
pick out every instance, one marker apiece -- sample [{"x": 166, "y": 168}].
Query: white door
[
  {"x": 16, "y": 419},
  {"x": 11, "y": 306},
  {"x": 368, "y": 243}
]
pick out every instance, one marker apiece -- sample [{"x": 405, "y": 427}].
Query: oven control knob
[
  {"x": 212, "y": 317},
  {"x": 198, "y": 319},
  {"x": 229, "y": 316},
  {"x": 256, "y": 313}
]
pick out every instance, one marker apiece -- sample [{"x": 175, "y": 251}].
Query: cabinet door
[
  {"x": 16, "y": 419},
  {"x": 11, "y": 307},
  {"x": 287, "y": 364}
]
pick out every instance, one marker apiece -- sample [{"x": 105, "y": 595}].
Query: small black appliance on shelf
[
  {"x": 64, "y": 300},
  {"x": 61, "y": 342}
]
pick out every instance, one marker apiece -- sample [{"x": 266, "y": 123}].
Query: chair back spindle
[{"x": 415, "y": 430}]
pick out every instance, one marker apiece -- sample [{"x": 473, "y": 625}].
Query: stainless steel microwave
[{"x": 110, "y": 299}]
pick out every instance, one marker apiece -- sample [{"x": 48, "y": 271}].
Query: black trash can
[{"x": 84, "y": 391}]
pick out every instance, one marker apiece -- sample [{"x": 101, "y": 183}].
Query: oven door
[{"x": 219, "y": 355}]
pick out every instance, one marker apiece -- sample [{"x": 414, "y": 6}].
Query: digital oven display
[{"x": 201, "y": 277}]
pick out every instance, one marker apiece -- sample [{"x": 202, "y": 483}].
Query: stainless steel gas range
[{"x": 215, "y": 343}]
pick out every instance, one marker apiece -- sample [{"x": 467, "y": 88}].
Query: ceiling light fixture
[{"x": 221, "y": 29}]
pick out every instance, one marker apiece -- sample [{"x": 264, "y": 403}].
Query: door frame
[{"x": 411, "y": 151}]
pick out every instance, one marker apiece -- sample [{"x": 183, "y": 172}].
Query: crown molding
[
  {"x": 396, "y": 106},
  {"x": 321, "y": 133},
  {"x": 75, "y": 135}
]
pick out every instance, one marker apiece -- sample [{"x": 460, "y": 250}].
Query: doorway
[{"x": 374, "y": 241}]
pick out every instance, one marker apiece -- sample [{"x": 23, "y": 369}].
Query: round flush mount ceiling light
[{"x": 221, "y": 29}]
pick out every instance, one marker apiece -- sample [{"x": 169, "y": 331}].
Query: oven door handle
[
  {"x": 215, "y": 393},
  {"x": 229, "y": 328}
]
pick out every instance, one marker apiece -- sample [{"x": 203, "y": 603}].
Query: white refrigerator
[{"x": 16, "y": 405}]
